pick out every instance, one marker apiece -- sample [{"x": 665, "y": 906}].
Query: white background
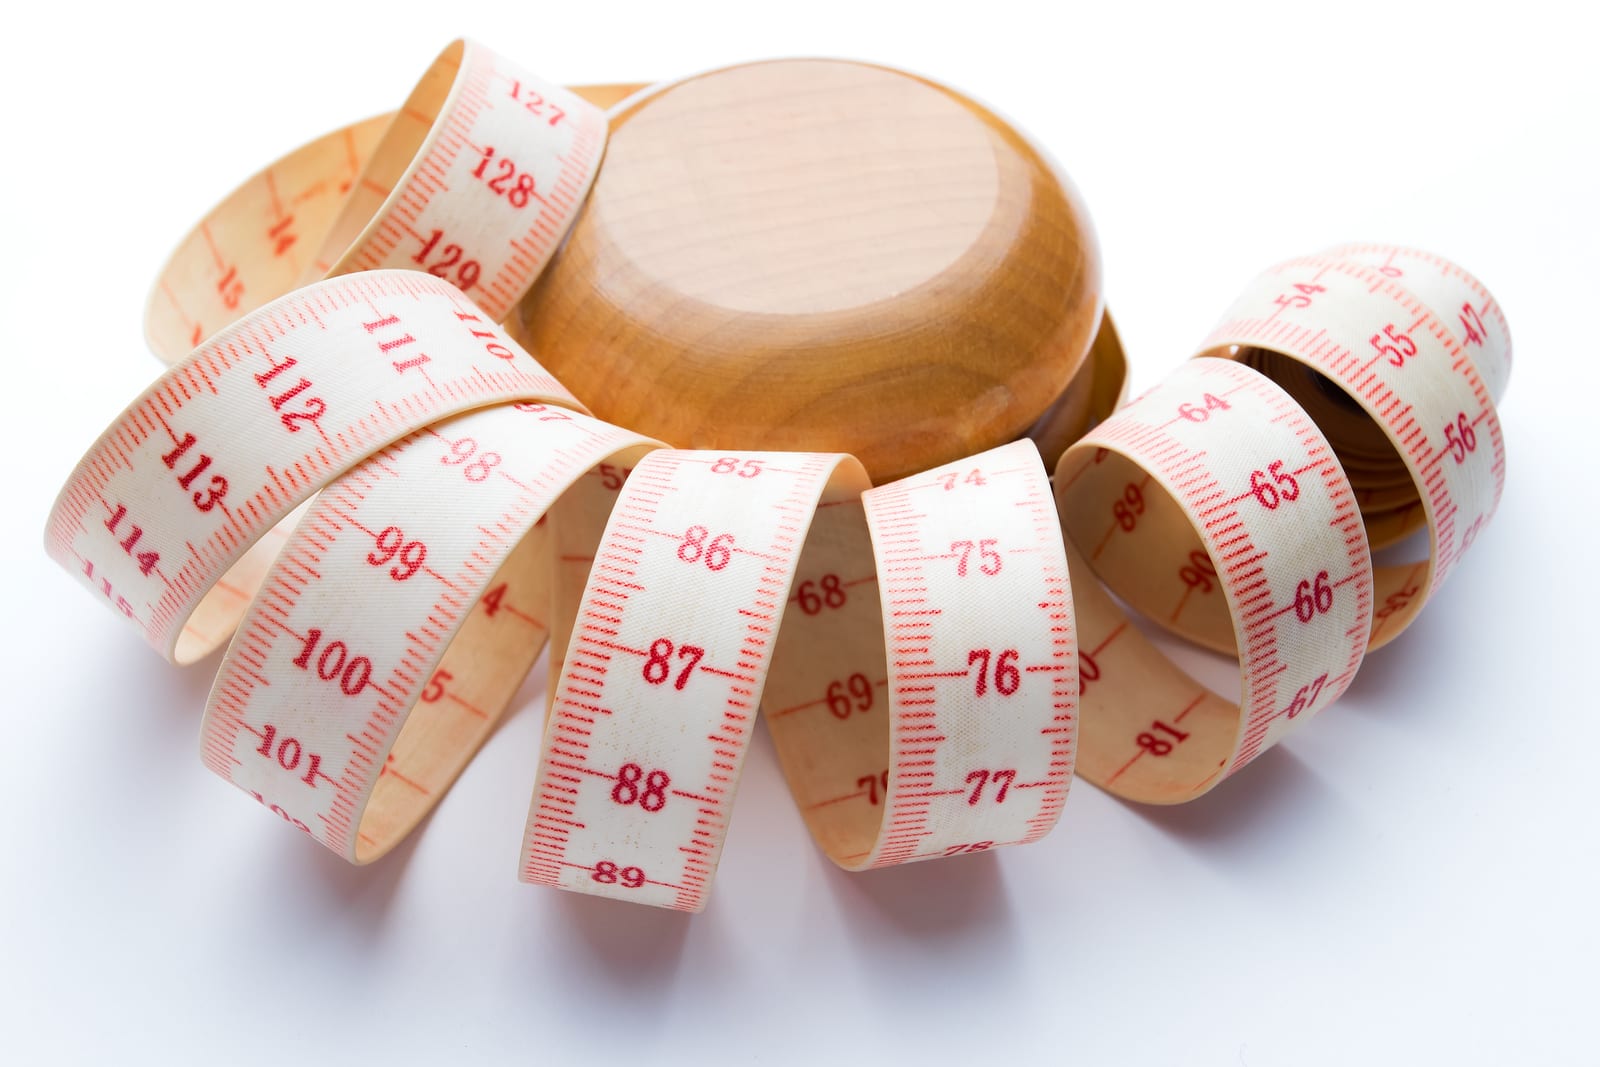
[{"x": 1415, "y": 878}]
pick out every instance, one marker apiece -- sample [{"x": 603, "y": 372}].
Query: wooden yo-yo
[{"x": 829, "y": 256}]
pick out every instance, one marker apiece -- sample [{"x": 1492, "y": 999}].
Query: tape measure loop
[
  {"x": 1214, "y": 506},
  {"x": 475, "y": 180},
  {"x": 169, "y": 513},
  {"x": 934, "y": 713},
  {"x": 1399, "y": 397},
  {"x": 392, "y": 631},
  {"x": 663, "y": 679}
]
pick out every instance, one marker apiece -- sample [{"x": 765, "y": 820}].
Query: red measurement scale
[
  {"x": 161, "y": 513},
  {"x": 973, "y": 747},
  {"x": 1396, "y": 388},
  {"x": 475, "y": 180},
  {"x": 663, "y": 677},
  {"x": 702, "y": 564},
  {"x": 1403, "y": 395},
  {"x": 1213, "y": 473},
  {"x": 389, "y": 634},
  {"x": 1462, "y": 302}
]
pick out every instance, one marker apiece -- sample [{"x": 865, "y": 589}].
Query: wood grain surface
[{"x": 824, "y": 255}]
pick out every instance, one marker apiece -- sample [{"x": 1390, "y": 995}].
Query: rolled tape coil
[
  {"x": 1245, "y": 535},
  {"x": 917, "y": 648},
  {"x": 729, "y": 582},
  {"x": 398, "y": 621},
  {"x": 475, "y": 180},
  {"x": 162, "y": 513},
  {"x": 1294, "y": 581},
  {"x": 1399, "y": 387}
]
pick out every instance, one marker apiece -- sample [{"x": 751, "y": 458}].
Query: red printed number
[
  {"x": 288, "y": 753},
  {"x": 215, "y": 490},
  {"x": 312, "y": 408},
  {"x": 1394, "y": 344},
  {"x": 536, "y": 104},
  {"x": 1396, "y": 602},
  {"x": 979, "y": 779},
  {"x": 491, "y": 344},
  {"x": 1301, "y": 297},
  {"x": 876, "y": 786},
  {"x": 858, "y": 698},
  {"x": 1460, "y": 438},
  {"x": 731, "y": 465},
  {"x": 282, "y": 235},
  {"x": 1306, "y": 696},
  {"x": 1007, "y": 678},
  {"x": 467, "y": 271},
  {"x": 1274, "y": 485},
  {"x": 280, "y": 813},
  {"x": 147, "y": 560},
  {"x": 826, "y": 593},
  {"x": 545, "y": 412},
  {"x": 1128, "y": 507},
  {"x": 1160, "y": 745},
  {"x": 392, "y": 543},
  {"x": 974, "y": 477},
  {"x": 658, "y": 665},
  {"x": 1198, "y": 572},
  {"x": 608, "y": 873},
  {"x": 988, "y": 555},
  {"x": 694, "y": 548},
  {"x": 1472, "y": 324},
  {"x": 1202, "y": 411},
  {"x": 491, "y": 600},
  {"x": 335, "y": 664},
  {"x": 121, "y": 602},
  {"x": 649, "y": 791},
  {"x": 230, "y": 288},
  {"x": 1088, "y": 671},
  {"x": 473, "y": 469},
  {"x": 1313, "y": 597},
  {"x": 388, "y": 347},
  {"x": 433, "y": 692},
  {"x": 505, "y": 181}
]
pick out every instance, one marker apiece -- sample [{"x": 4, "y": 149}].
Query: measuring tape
[
  {"x": 368, "y": 710},
  {"x": 161, "y": 515},
  {"x": 474, "y": 180},
  {"x": 725, "y": 583},
  {"x": 919, "y": 649}
]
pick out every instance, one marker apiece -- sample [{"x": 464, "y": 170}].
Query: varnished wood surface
[
  {"x": 608, "y": 95},
  {"x": 817, "y": 254}
]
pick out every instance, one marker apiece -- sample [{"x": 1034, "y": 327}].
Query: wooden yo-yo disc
[{"x": 820, "y": 255}]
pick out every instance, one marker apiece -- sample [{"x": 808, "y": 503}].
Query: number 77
[{"x": 1003, "y": 779}]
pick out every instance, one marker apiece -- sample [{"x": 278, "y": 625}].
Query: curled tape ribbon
[
  {"x": 474, "y": 180},
  {"x": 919, "y": 649},
  {"x": 231, "y": 440}
]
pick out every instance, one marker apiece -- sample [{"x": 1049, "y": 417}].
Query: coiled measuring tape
[
  {"x": 475, "y": 180},
  {"x": 919, "y": 649}
]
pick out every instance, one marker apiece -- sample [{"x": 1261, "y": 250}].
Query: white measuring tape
[
  {"x": 474, "y": 180},
  {"x": 919, "y": 649},
  {"x": 162, "y": 512}
]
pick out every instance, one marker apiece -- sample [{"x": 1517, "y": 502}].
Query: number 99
[{"x": 391, "y": 542}]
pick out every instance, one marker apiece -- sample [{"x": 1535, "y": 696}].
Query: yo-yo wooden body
[{"x": 821, "y": 255}]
